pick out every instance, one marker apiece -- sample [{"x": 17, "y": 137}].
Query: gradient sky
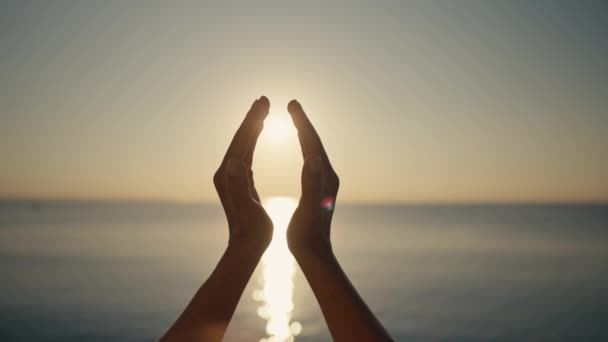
[{"x": 414, "y": 100}]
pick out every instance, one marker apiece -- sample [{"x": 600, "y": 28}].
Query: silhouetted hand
[
  {"x": 309, "y": 229},
  {"x": 209, "y": 312},
  {"x": 308, "y": 235},
  {"x": 207, "y": 315},
  {"x": 247, "y": 219}
]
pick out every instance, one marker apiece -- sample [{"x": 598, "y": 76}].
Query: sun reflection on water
[{"x": 278, "y": 270}]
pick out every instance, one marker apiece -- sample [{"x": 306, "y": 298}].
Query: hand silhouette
[
  {"x": 247, "y": 219},
  {"x": 207, "y": 315},
  {"x": 250, "y": 230},
  {"x": 309, "y": 228},
  {"x": 308, "y": 235}
]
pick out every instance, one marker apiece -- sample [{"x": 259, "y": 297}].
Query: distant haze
[{"x": 415, "y": 100}]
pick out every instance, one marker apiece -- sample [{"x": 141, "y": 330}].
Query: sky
[{"x": 415, "y": 101}]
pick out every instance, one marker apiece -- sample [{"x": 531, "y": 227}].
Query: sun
[{"x": 278, "y": 127}]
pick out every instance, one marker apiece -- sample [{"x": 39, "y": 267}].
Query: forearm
[
  {"x": 207, "y": 315},
  {"x": 346, "y": 314}
]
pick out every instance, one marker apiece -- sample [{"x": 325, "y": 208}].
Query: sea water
[{"x": 123, "y": 271}]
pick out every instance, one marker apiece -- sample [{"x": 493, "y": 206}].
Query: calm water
[{"x": 124, "y": 271}]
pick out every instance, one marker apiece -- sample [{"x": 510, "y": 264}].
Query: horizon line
[{"x": 344, "y": 202}]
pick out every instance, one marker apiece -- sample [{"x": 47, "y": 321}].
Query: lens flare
[
  {"x": 328, "y": 203},
  {"x": 278, "y": 271}
]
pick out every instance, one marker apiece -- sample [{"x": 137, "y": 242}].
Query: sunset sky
[{"x": 416, "y": 101}]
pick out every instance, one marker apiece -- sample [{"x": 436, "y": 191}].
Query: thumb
[
  {"x": 311, "y": 182},
  {"x": 237, "y": 181}
]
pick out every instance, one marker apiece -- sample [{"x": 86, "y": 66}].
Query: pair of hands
[
  {"x": 248, "y": 222},
  {"x": 209, "y": 312}
]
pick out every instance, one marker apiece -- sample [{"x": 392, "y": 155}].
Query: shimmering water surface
[{"x": 124, "y": 271}]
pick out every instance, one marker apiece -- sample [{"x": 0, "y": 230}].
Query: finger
[
  {"x": 309, "y": 139},
  {"x": 253, "y": 190},
  {"x": 312, "y": 182},
  {"x": 239, "y": 147},
  {"x": 264, "y": 107},
  {"x": 237, "y": 182},
  {"x": 249, "y": 157}
]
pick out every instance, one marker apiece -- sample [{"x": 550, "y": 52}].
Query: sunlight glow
[
  {"x": 278, "y": 127},
  {"x": 278, "y": 270}
]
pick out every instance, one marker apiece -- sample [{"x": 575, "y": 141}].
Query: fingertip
[
  {"x": 263, "y": 100},
  {"x": 260, "y": 108},
  {"x": 294, "y": 106},
  {"x": 264, "y": 103},
  {"x": 264, "y": 107}
]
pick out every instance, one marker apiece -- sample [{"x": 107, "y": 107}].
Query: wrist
[
  {"x": 314, "y": 249},
  {"x": 314, "y": 260}
]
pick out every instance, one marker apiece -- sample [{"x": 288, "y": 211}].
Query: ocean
[{"x": 123, "y": 271}]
